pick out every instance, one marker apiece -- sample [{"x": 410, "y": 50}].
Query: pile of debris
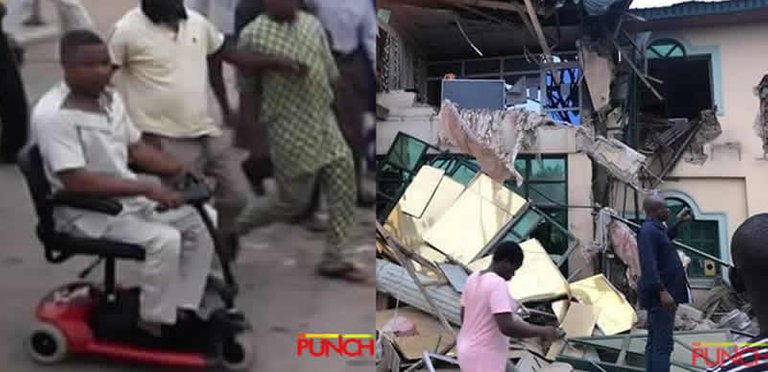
[{"x": 441, "y": 231}]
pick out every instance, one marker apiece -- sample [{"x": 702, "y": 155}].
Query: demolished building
[{"x": 669, "y": 98}]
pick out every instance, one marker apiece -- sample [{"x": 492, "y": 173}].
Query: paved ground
[{"x": 280, "y": 295}]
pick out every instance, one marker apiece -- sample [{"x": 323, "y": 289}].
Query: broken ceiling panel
[
  {"x": 615, "y": 314},
  {"x": 420, "y": 190},
  {"x": 467, "y": 227},
  {"x": 430, "y": 334},
  {"x": 447, "y": 192},
  {"x": 537, "y": 280},
  {"x": 579, "y": 322},
  {"x": 410, "y": 230},
  {"x": 497, "y": 193}
]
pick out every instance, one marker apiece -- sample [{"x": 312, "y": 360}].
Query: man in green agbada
[{"x": 305, "y": 142}]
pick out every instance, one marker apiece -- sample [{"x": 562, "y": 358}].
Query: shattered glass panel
[
  {"x": 525, "y": 225},
  {"x": 406, "y": 152},
  {"x": 553, "y": 239},
  {"x": 464, "y": 174}
]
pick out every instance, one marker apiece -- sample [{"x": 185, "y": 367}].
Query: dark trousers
[
  {"x": 661, "y": 324},
  {"x": 14, "y": 113}
]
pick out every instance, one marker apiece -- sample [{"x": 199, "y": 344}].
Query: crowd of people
[{"x": 136, "y": 100}]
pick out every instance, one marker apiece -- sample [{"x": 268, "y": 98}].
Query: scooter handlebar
[{"x": 194, "y": 193}]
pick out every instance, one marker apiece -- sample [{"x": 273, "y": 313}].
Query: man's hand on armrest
[
  {"x": 80, "y": 181},
  {"x": 67, "y": 199},
  {"x": 153, "y": 161}
]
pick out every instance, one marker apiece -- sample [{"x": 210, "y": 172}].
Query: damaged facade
[{"x": 669, "y": 98}]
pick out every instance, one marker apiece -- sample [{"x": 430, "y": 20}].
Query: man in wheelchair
[{"x": 87, "y": 142}]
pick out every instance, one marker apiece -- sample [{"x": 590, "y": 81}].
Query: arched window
[
  {"x": 665, "y": 48},
  {"x": 701, "y": 234}
]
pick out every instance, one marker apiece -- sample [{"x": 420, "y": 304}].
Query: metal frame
[
  {"x": 620, "y": 364},
  {"x": 428, "y": 357},
  {"x": 554, "y": 69}
]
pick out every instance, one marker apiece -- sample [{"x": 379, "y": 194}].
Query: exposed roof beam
[
  {"x": 540, "y": 35},
  {"x": 445, "y": 4}
]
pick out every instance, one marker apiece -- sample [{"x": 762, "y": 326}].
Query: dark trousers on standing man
[
  {"x": 14, "y": 113},
  {"x": 661, "y": 324}
]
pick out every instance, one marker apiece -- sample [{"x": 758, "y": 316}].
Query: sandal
[{"x": 350, "y": 273}]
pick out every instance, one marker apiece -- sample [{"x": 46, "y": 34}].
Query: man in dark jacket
[{"x": 663, "y": 283}]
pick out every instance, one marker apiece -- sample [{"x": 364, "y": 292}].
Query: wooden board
[
  {"x": 579, "y": 322},
  {"x": 419, "y": 192},
  {"x": 429, "y": 329}
]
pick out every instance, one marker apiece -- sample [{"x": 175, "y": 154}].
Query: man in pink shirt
[{"x": 487, "y": 315}]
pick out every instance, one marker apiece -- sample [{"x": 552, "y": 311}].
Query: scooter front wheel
[
  {"x": 46, "y": 344},
  {"x": 237, "y": 353}
]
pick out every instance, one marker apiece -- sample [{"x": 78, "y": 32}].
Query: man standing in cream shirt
[{"x": 167, "y": 56}]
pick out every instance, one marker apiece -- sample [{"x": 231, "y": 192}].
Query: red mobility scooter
[{"x": 101, "y": 320}]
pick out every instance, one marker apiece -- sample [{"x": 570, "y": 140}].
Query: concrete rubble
[
  {"x": 622, "y": 161},
  {"x": 494, "y": 138},
  {"x": 761, "y": 121},
  {"x": 709, "y": 130}
]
